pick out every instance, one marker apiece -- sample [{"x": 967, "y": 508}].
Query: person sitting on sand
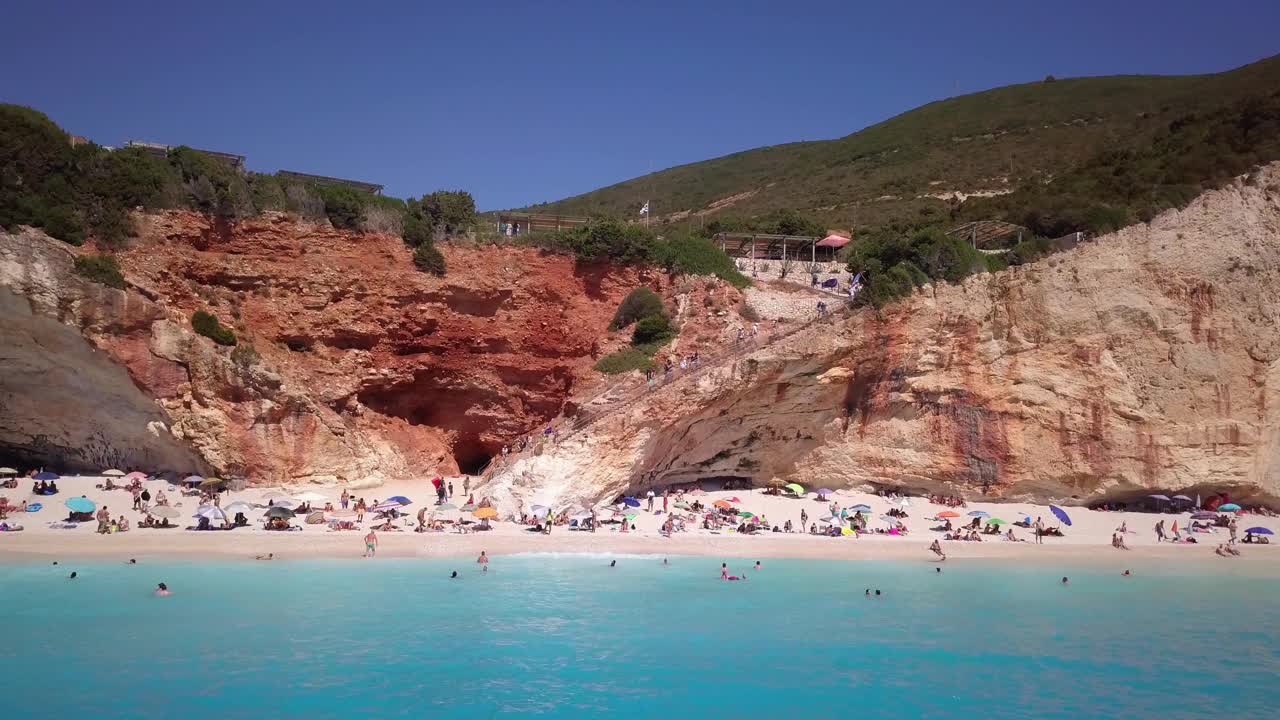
[
  {"x": 161, "y": 498},
  {"x": 122, "y": 525}
]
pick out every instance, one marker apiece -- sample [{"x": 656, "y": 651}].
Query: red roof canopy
[{"x": 833, "y": 241}]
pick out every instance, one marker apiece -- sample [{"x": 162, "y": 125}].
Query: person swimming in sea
[
  {"x": 1126, "y": 573},
  {"x": 72, "y": 576},
  {"x": 454, "y": 575},
  {"x": 162, "y": 590},
  {"x": 868, "y": 592},
  {"x": 613, "y": 563},
  {"x": 664, "y": 561},
  {"x": 1064, "y": 579},
  {"x": 757, "y": 565},
  {"x": 133, "y": 561},
  {"x": 938, "y": 569},
  {"x": 483, "y": 560},
  {"x": 877, "y": 592}
]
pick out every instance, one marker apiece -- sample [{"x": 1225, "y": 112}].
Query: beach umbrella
[
  {"x": 631, "y": 502},
  {"x": 796, "y": 488},
  {"x": 113, "y": 473},
  {"x": 468, "y": 507},
  {"x": 238, "y": 506},
  {"x": 745, "y": 514},
  {"x": 904, "y": 503},
  {"x": 723, "y": 504},
  {"x": 400, "y": 499},
  {"x": 283, "y": 502},
  {"x": 447, "y": 506},
  {"x": 861, "y": 508},
  {"x": 213, "y": 512},
  {"x": 485, "y": 512},
  {"x": 1229, "y": 507},
  {"x": 386, "y": 505},
  {"x": 631, "y": 516},
  {"x": 996, "y": 521},
  {"x": 1061, "y": 514},
  {"x": 1182, "y": 497},
  {"x": 8, "y": 471},
  {"x": 1259, "y": 531},
  {"x": 824, "y": 491},
  {"x": 1204, "y": 515},
  {"x": 275, "y": 494},
  {"x": 165, "y": 511},
  {"x": 135, "y": 475},
  {"x": 192, "y": 480},
  {"x": 682, "y": 505},
  {"x": 45, "y": 476},
  {"x": 846, "y": 531},
  {"x": 1165, "y": 498},
  {"x": 211, "y": 482},
  {"x": 80, "y": 504},
  {"x": 834, "y": 519},
  {"x": 948, "y": 514},
  {"x": 279, "y": 512},
  {"x": 313, "y": 497},
  {"x": 979, "y": 513},
  {"x": 581, "y": 516},
  {"x": 734, "y": 499},
  {"x": 775, "y": 482}
]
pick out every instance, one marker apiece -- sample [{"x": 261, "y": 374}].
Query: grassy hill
[{"x": 897, "y": 171}]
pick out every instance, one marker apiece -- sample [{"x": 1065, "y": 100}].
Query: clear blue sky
[{"x": 521, "y": 102}]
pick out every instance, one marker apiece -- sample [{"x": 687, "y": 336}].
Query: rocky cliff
[
  {"x": 1147, "y": 360},
  {"x": 363, "y": 369}
]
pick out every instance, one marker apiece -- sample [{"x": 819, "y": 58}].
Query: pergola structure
[
  {"x": 762, "y": 246},
  {"x": 371, "y": 188},
  {"x": 521, "y": 223},
  {"x": 988, "y": 234}
]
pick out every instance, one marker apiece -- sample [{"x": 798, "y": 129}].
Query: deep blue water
[{"x": 571, "y": 637}]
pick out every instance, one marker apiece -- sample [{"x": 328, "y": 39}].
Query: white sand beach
[{"x": 1087, "y": 540}]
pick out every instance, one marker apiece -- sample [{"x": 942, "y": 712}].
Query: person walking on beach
[
  {"x": 666, "y": 495},
  {"x": 451, "y": 489},
  {"x": 466, "y": 485},
  {"x": 360, "y": 508},
  {"x": 1160, "y": 531},
  {"x": 1039, "y": 531},
  {"x": 649, "y": 496},
  {"x": 370, "y": 544},
  {"x": 1232, "y": 528},
  {"x": 804, "y": 519}
]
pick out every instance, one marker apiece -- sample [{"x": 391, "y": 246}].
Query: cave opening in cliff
[{"x": 471, "y": 453}]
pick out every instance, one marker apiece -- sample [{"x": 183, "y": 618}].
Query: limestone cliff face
[
  {"x": 366, "y": 369},
  {"x": 1145, "y": 360}
]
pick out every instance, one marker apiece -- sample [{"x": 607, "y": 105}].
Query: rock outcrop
[
  {"x": 1144, "y": 361},
  {"x": 363, "y": 369}
]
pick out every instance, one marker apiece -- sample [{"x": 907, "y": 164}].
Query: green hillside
[{"x": 996, "y": 140}]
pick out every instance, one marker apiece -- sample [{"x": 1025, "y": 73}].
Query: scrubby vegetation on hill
[
  {"x": 631, "y": 244},
  {"x": 102, "y": 269},
  {"x": 652, "y": 328},
  {"x": 207, "y": 324},
  {"x": 82, "y": 191}
]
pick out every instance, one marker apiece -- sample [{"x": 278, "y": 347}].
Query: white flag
[{"x": 644, "y": 209}]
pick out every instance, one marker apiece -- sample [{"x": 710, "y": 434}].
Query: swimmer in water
[
  {"x": 724, "y": 571},
  {"x": 868, "y": 593},
  {"x": 938, "y": 569},
  {"x": 613, "y": 563},
  {"x": 1126, "y": 573},
  {"x": 133, "y": 561},
  {"x": 1064, "y": 579},
  {"x": 454, "y": 576},
  {"x": 757, "y": 565},
  {"x": 664, "y": 561},
  {"x": 162, "y": 590},
  {"x": 877, "y": 592},
  {"x": 483, "y": 560},
  {"x": 72, "y": 576}
]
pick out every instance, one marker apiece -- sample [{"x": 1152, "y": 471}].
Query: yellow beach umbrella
[
  {"x": 485, "y": 512},
  {"x": 796, "y": 488}
]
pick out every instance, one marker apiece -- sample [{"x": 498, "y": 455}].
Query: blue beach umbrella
[
  {"x": 861, "y": 508},
  {"x": 631, "y": 502},
  {"x": 1062, "y": 514},
  {"x": 1229, "y": 507},
  {"x": 983, "y": 513},
  {"x": 1259, "y": 531},
  {"x": 45, "y": 476},
  {"x": 80, "y": 504},
  {"x": 400, "y": 499},
  {"x": 192, "y": 480}
]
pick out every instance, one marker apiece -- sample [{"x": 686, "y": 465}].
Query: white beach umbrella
[
  {"x": 238, "y": 506},
  {"x": 213, "y": 512},
  {"x": 284, "y": 502},
  {"x": 8, "y": 471},
  {"x": 113, "y": 473},
  {"x": 581, "y": 516},
  {"x": 165, "y": 511},
  {"x": 311, "y": 497}
]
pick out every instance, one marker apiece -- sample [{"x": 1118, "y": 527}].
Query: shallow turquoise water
[{"x": 572, "y": 637}]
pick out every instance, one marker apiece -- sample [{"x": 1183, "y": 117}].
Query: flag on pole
[{"x": 644, "y": 209}]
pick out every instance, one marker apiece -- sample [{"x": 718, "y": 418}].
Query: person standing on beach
[
  {"x": 450, "y": 489},
  {"x": 1232, "y": 528},
  {"x": 1039, "y": 531},
  {"x": 370, "y": 544},
  {"x": 466, "y": 485},
  {"x": 104, "y": 520},
  {"x": 666, "y": 495},
  {"x": 137, "y": 498},
  {"x": 345, "y": 499},
  {"x": 804, "y": 519},
  {"x": 1160, "y": 531},
  {"x": 649, "y": 496},
  {"x": 360, "y": 508}
]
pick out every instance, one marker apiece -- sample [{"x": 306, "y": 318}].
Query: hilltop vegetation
[
  {"x": 891, "y": 173},
  {"x": 83, "y": 191}
]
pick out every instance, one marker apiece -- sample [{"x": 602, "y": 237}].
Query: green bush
[
  {"x": 342, "y": 205},
  {"x": 427, "y": 258},
  {"x": 624, "y": 360},
  {"x": 245, "y": 356},
  {"x": 207, "y": 325},
  {"x": 102, "y": 269},
  {"x": 693, "y": 255},
  {"x": 651, "y": 329},
  {"x": 639, "y": 303}
]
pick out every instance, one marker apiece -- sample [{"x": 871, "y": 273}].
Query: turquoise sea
[{"x": 573, "y": 637}]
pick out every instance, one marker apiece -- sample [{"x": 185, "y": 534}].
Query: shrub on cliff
[
  {"x": 639, "y": 303},
  {"x": 427, "y": 258},
  {"x": 102, "y": 269},
  {"x": 342, "y": 205},
  {"x": 245, "y": 356},
  {"x": 437, "y": 215},
  {"x": 624, "y": 360},
  {"x": 652, "y": 329},
  {"x": 693, "y": 255},
  {"x": 207, "y": 325}
]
